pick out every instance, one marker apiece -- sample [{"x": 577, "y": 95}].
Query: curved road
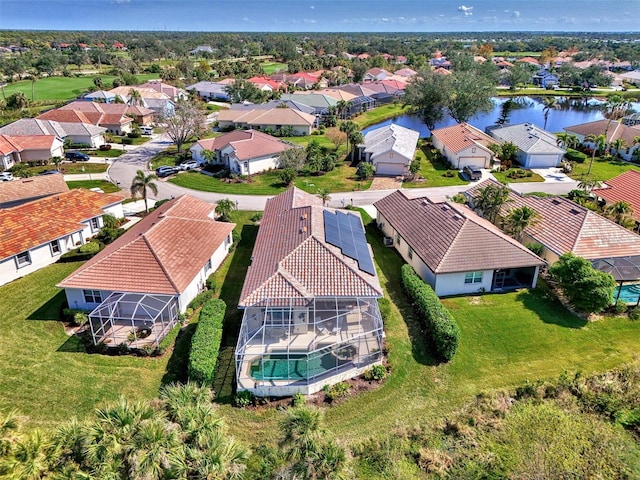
[{"x": 124, "y": 168}]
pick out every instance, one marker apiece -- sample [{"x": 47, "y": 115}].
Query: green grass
[
  {"x": 114, "y": 152},
  {"x": 136, "y": 141},
  {"x": 106, "y": 187},
  {"x": 63, "y": 88},
  {"x": 379, "y": 114},
  {"x": 602, "y": 169},
  {"x": 72, "y": 168},
  {"x": 433, "y": 172},
  {"x": 341, "y": 179},
  {"x": 273, "y": 67},
  {"x": 502, "y": 177}
]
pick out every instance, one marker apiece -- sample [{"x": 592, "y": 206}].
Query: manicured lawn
[
  {"x": 341, "y": 179},
  {"x": 502, "y": 177},
  {"x": 272, "y": 67},
  {"x": 434, "y": 173},
  {"x": 379, "y": 114},
  {"x": 63, "y": 88},
  {"x": 136, "y": 141},
  {"x": 72, "y": 168},
  {"x": 106, "y": 187},
  {"x": 114, "y": 152},
  {"x": 602, "y": 169}
]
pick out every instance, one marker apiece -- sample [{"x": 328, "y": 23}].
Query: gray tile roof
[
  {"x": 528, "y": 138},
  {"x": 392, "y": 138}
]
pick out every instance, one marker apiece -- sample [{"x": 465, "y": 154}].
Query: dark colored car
[
  {"x": 472, "y": 173},
  {"x": 76, "y": 156},
  {"x": 165, "y": 171},
  {"x": 49, "y": 172}
]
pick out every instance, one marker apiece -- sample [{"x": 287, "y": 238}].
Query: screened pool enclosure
[
  {"x": 298, "y": 345},
  {"x": 134, "y": 319}
]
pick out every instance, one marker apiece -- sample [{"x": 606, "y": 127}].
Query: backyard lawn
[
  {"x": 379, "y": 114},
  {"x": 106, "y": 187},
  {"x": 602, "y": 169},
  {"x": 435, "y": 174},
  {"x": 273, "y": 67},
  {"x": 72, "y": 168},
  {"x": 503, "y": 178}
]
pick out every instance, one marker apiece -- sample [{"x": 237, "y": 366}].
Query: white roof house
[
  {"x": 537, "y": 148},
  {"x": 390, "y": 149}
]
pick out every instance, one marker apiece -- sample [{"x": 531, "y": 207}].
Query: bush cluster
[
  {"x": 442, "y": 327},
  {"x": 200, "y": 299},
  {"x": 84, "y": 252},
  {"x": 205, "y": 344},
  {"x": 575, "y": 156}
]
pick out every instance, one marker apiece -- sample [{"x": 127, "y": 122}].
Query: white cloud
[
  {"x": 123, "y": 1},
  {"x": 466, "y": 10},
  {"x": 245, "y": 19},
  {"x": 309, "y": 20},
  {"x": 312, "y": 7},
  {"x": 515, "y": 14}
]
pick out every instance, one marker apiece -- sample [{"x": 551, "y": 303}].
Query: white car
[
  {"x": 6, "y": 176},
  {"x": 189, "y": 165}
]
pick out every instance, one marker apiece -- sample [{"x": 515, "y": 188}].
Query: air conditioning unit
[{"x": 388, "y": 242}]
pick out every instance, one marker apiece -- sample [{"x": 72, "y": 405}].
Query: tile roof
[
  {"x": 292, "y": 259},
  {"x": 21, "y": 143},
  {"x": 247, "y": 144},
  {"x": 394, "y": 138},
  {"x": 462, "y": 135},
  {"x": 528, "y": 138},
  {"x": 23, "y": 189},
  {"x": 564, "y": 226},
  {"x": 615, "y": 130},
  {"x": 451, "y": 238},
  {"x": 33, "y": 126},
  {"x": 274, "y": 116},
  {"x": 41, "y": 221},
  {"x": 624, "y": 187},
  {"x": 161, "y": 254}
]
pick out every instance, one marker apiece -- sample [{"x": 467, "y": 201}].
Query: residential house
[
  {"x": 201, "y": 49},
  {"x": 545, "y": 79},
  {"x": 310, "y": 307},
  {"x": 245, "y": 152},
  {"x": 76, "y": 133},
  {"x": 453, "y": 249},
  {"x": 141, "y": 115},
  {"x": 529, "y": 61},
  {"x": 111, "y": 116},
  {"x": 35, "y": 234},
  {"x": 211, "y": 90},
  {"x": 613, "y": 131},
  {"x": 266, "y": 84},
  {"x": 623, "y": 188},
  {"x": 100, "y": 96},
  {"x": 28, "y": 148},
  {"x": 142, "y": 282},
  {"x": 160, "y": 103},
  {"x": 376, "y": 74},
  {"x": 274, "y": 119},
  {"x": 23, "y": 190},
  {"x": 303, "y": 80},
  {"x": 464, "y": 145},
  {"x": 390, "y": 149},
  {"x": 537, "y": 148},
  {"x": 174, "y": 93},
  {"x": 405, "y": 72},
  {"x": 274, "y": 104},
  {"x": 319, "y": 101}
]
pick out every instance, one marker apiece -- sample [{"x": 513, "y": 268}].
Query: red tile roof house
[
  {"x": 27, "y": 148},
  {"x": 74, "y": 132},
  {"x": 453, "y": 249},
  {"x": 624, "y": 187},
  {"x": 274, "y": 119},
  {"x": 246, "y": 152},
  {"x": 464, "y": 145},
  {"x": 615, "y": 131},
  {"x": 111, "y": 116},
  {"x": 35, "y": 234},
  {"x": 311, "y": 316},
  {"x": 148, "y": 276},
  {"x": 23, "y": 190}
]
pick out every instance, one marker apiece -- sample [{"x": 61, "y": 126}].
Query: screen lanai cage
[
  {"x": 298, "y": 345},
  {"x": 134, "y": 319}
]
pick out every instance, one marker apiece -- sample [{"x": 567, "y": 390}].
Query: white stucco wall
[
  {"x": 540, "y": 160},
  {"x": 453, "y": 283},
  {"x": 115, "y": 210},
  {"x": 255, "y": 165}
]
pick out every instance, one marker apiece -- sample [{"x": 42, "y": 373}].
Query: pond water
[{"x": 527, "y": 109}]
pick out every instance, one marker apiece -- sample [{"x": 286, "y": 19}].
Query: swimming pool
[
  {"x": 628, "y": 293},
  {"x": 276, "y": 366}
]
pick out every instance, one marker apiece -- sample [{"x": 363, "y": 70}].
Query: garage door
[
  {"x": 479, "y": 162},
  {"x": 390, "y": 169},
  {"x": 542, "y": 161}
]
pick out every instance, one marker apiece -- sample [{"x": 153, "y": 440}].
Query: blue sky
[{"x": 323, "y": 15}]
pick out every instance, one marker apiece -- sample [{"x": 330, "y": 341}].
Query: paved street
[{"x": 124, "y": 168}]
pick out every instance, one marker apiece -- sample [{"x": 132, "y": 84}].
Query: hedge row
[
  {"x": 205, "y": 343},
  {"x": 575, "y": 156},
  {"x": 442, "y": 327}
]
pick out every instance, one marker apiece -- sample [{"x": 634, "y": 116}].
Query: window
[
  {"x": 398, "y": 238},
  {"x": 23, "y": 259},
  {"x": 473, "y": 150},
  {"x": 228, "y": 240},
  {"x": 473, "y": 277},
  {"x": 95, "y": 224},
  {"x": 209, "y": 265},
  {"x": 92, "y": 296},
  {"x": 55, "y": 248},
  {"x": 411, "y": 253}
]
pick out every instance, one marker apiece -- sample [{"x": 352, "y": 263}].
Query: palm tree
[
  {"x": 567, "y": 140},
  {"x": 356, "y": 138},
  {"x": 620, "y": 212},
  {"x": 32, "y": 458},
  {"x": 599, "y": 142},
  {"x": 636, "y": 145},
  {"x": 301, "y": 431},
  {"x": 587, "y": 184},
  {"x": 139, "y": 186},
  {"x": 519, "y": 219},
  {"x": 349, "y": 128},
  {"x": 615, "y": 108},
  {"x": 619, "y": 144},
  {"x": 323, "y": 193},
  {"x": 135, "y": 99},
  {"x": 224, "y": 209},
  {"x": 490, "y": 200},
  {"x": 549, "y": 104},
  {"x": 9, "y": 427}
]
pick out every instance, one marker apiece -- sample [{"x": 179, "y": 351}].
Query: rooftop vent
[
  {"x": 574, "y": 211},
  {"x": 445, "y": 208},
  {"x": 555, "y": 202}
]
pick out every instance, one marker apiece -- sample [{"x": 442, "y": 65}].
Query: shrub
[
  {"x": 127, "y": 141},
  {"x": 535, "y": 248},
  {"x": 634, "y": 313},
  {"x": 375, "y": 373},
  {"x": 79, "y": 317},
  {"x": 205, "y": 344},
  {"x": 441, "y": 326},
  {"x": 298, "y": 400},
  {"x": 199, "y": 300},
  {"x": 211, "y": 284},
  {"x": 90, "y": 247},
  {"x": 84, "y": 252},
  {"x": 256, "y": 217},
  {"x": 620, "y": 308},
  {"x": 365, "y": 170},
  {"x": 244, "y": 399},
  {"x": 105, "y": 147},
  {"x": 384, "y": 305},
  {"x": 336, "y": 391},
  {"x": 575, "y": 156}
]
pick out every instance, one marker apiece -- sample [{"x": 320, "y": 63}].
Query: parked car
[
  {"x": 189, "y": 165},
  {"x": 76, "y": 156},
  {"x": 49, "y": 172},
  {"x": 146, "y": 130},
  {"x": 472, "y": 173},
  {"x": 6, "y": 176},
  {"x": 165, "y": 171}
]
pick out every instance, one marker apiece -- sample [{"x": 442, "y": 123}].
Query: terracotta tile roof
[
  {"x": 625, "y": 187},
  {"x": 564, "y": 226},
  {"x": 67, "y": 116},
  {"x": 161, "y": 254},
  {"x": 462, "y": 135},
  {"x": 247, "y": 144},
  {"x": 451, "y": 238},
  {"x": 8, "y": 145},
  {"x": 292, "y": 259},
  {"x": 274, "y": 116},
  {"x": 615, "y": 130},
  {"x": 41, "y": 221},
  {"x": 22, "y": 189}
]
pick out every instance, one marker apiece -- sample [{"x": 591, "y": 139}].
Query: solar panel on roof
[{"x": 345, "y": 231}]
